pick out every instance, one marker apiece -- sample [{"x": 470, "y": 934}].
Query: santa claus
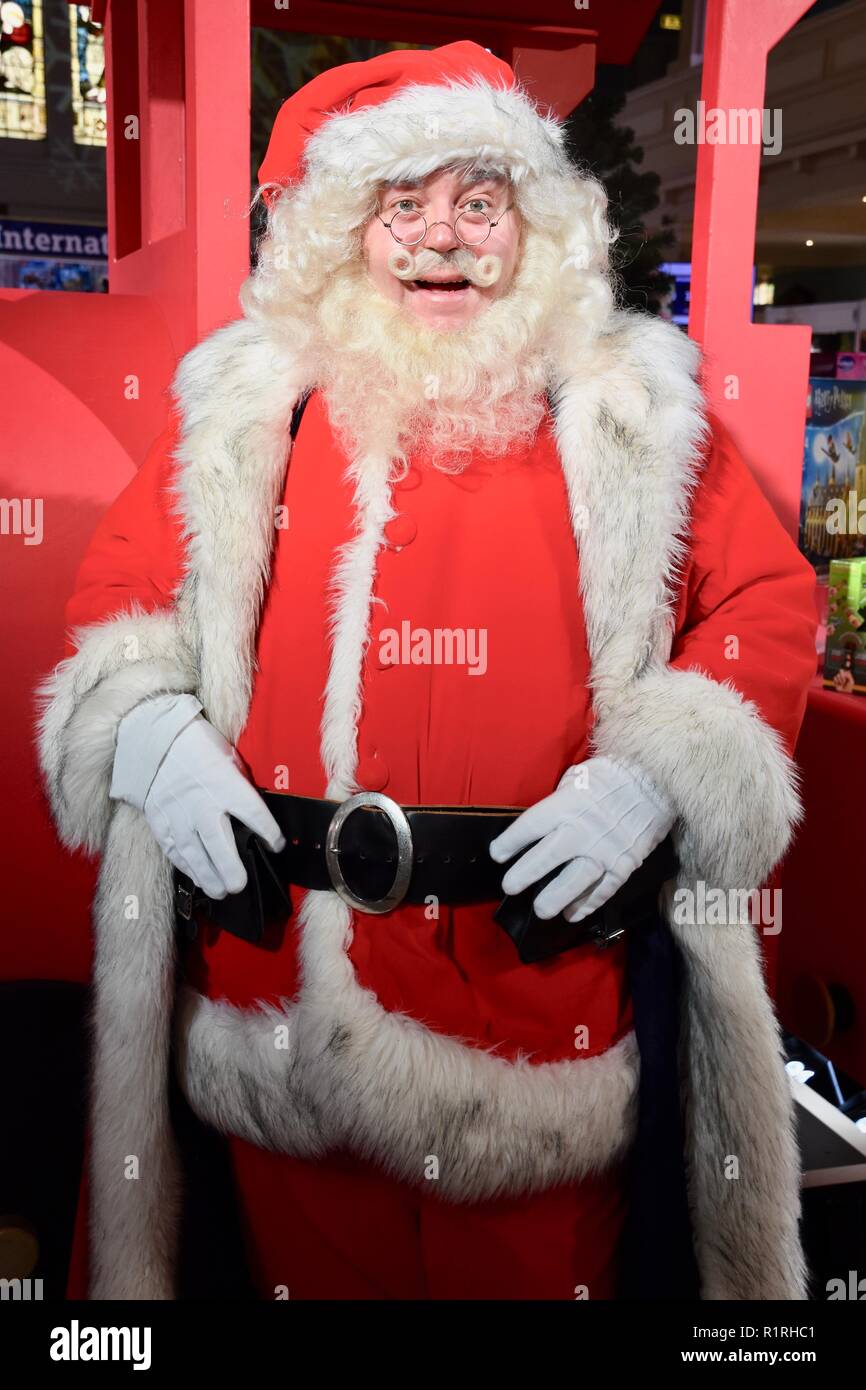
[{"x": 443, "y": 615}]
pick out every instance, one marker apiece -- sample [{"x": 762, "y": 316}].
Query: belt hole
[
  {"x": 473, "y": 859},
  {"x": 447, "y": 859},
  {"x": 420, "y": 859},
  {"x": 361, "y": 855},
  {"x": 295, "y": 840},
  {"x": 317, "y": 845}
]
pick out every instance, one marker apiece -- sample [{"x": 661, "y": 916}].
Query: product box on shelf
[
  {"x": 833, "y": 498},
  {"x": 845, "y": 654}
]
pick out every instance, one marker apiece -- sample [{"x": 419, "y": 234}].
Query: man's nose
[{"x": 441, "y": 236}]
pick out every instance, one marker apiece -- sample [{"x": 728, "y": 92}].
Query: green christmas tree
[{"x": 608, "y": 151}]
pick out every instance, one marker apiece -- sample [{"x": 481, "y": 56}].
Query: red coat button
[
  {"x": 401, "y": 530},
  {"x": 411, "y": 480},
  {"x": 372, "y": 774}
]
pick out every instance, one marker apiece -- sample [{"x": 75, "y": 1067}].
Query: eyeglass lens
[{"x": 411, "y": 228}]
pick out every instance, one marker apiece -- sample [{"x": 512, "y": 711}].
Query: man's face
[{"x": 440, "y": 199}]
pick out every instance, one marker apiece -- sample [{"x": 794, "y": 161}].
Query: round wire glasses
[{"x": 472, "y": 228}]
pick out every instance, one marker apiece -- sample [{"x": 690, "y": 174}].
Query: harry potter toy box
[{"x": 833, "y": 501}]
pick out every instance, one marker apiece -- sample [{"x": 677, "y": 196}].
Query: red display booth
[{"x": 90, "y": 375}]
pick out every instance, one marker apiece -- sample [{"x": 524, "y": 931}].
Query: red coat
[{"x": 492, "y": 550}]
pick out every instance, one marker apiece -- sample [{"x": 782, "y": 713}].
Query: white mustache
[{"x": 426, "y": 264}]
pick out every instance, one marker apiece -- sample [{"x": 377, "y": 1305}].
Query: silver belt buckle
[{"x": 399, "y": 888}]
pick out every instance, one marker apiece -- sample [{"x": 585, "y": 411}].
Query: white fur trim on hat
[{"x": 426, "y": 127}]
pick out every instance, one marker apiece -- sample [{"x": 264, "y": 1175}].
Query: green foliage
[{"x": 609, "y": 152}]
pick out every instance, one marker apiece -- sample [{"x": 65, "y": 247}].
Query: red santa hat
[{"x": 404, "y": 114}]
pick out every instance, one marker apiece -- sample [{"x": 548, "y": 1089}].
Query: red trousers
[{"x": 337, "y": 1228}]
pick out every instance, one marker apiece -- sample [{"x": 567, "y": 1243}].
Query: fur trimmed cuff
[
  {"x": 724, "y": 768},
  {"x": 81, "y": 702}
]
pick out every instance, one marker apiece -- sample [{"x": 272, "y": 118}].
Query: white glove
[
  {"x": 187, "y": 779},
  {"x": 144, "y": 736},
  {"x": 601, "y": 822}
]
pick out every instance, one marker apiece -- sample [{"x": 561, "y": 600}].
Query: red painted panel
[
  {"x": 68, "y": 451},
  {"x": 194, "y": 176},
  {"x": 756, "y": 373},
  {"x": 619, "y": 25}
]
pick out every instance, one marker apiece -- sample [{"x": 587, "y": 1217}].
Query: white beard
[{"x": 392, "y": 384}]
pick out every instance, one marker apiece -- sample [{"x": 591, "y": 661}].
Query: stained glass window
[
  {"x": 22, "y": 70},
  {"x": 88, "y": 77}
]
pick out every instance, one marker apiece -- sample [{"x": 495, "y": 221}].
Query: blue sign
[{"x": 57, "y": 241}]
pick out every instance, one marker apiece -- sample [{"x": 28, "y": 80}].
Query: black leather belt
[{"x": 376, "y": 855}]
